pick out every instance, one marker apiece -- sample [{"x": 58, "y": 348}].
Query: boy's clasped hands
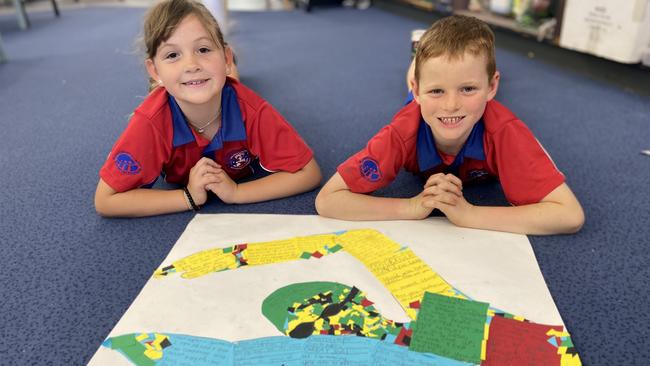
[{"x": 443, "y": 192}]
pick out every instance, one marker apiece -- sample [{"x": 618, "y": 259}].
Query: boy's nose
[{"x": 452, "y": 102}]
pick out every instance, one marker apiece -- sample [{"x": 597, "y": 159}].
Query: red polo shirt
[
  {"x": 499, "y": 146},
  {"x": 158, "y": 140}
]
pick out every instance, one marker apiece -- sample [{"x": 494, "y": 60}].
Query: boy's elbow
[
  {"x": 324, "y": 204},
  {"x": 320, "y": 203},
  {"x": 574, "y": 222}
]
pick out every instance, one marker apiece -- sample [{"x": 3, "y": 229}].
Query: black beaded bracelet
[{"x": 195, "y": 207}]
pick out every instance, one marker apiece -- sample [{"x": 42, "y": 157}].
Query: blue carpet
[{"x": 338, "y": 76}]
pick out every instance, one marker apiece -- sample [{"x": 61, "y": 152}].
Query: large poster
[{"x": 278, "y": 289}]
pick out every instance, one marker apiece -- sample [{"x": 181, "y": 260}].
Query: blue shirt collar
[
  {"x": 427, "y": 153},
  {"x": 232, "y": 125},
  {"x": 182, "y": 132}
]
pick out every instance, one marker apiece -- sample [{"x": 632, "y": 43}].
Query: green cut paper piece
[
  {"x": 335, "y": 248},
  {"x": 123, "y": 341},
  {"x": 450, "y": 327},
  {"x": 141, "y": 359},
  {"x": 305, "y": 255},
  {"x": 275, "y": 305},
  {"x": 132, "y": 349},
  {"x": 227, "y": 250},
  {"x": 567, "y": 342}
]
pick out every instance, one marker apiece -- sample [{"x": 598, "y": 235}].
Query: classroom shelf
[{"x": 547, "y": 29}]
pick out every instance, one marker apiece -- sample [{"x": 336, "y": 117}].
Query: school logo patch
[
  {"x": 477, "y": 175},
  {"x": 370, "y": 170},
  {"x": 239, "y": 160},
  {"x": 126, "y": 164}
]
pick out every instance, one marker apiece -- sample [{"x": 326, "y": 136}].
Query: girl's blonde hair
[
  {"x": 453, "y": 36},
  {"x": 163, "y": 18}
]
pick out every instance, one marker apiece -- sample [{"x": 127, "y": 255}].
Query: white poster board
[{"x": 498, "y": 268}]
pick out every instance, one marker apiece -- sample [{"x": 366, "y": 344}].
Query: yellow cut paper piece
[
  {"x": 367, "y": 245},
  {"x": 483, "y": 349},
  {"x": 202, "y": 263},
  {"x": 557, "y": 333},
  {"x": 407, "y": 277},
  {"x": 570, "y": 360},
  {"x": 153, "y": 354},
  {"x": 158, "y": 341},
  {"x": 286, "y": 250}
]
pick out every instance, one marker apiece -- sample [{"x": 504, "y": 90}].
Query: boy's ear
[
  {"x": 415, "y": 90},
  {"x": 494, "y": 85},
  {"x": 151, "y": 69}
]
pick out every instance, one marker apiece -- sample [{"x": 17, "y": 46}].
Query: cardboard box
[{"x": 616, "y": 30}]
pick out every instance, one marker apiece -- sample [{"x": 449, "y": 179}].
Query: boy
[{"x": 454, "y": 133}]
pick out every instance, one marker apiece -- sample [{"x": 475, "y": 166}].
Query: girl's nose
[{"x": 192, "y": 65}]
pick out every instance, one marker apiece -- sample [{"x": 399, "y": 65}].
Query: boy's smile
[
  {"x": 452, "y": 93},
  {"x": 451, "y": 122}
]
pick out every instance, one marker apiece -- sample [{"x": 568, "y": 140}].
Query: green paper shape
[
  {"x": 567, "y": 342},
  {"x": 123, "y": 341},
  {"x": 335, "y": 248},
  {"x": 132, "y": 349},
  {"x": 139, "y": 359},
  {"x": 450, "y": 327},
  {"x": 275, "y": 305},
  {"x": 305, "y": 255},
  {"x": 227, "y": 250}
]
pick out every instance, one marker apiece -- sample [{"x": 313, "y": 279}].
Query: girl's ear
[
  {"x": 151, "y": 69},
  {"x": 229, "y": 56},
  {"x": 494, "y": 85},
  {"x": 231, "y": 67}
]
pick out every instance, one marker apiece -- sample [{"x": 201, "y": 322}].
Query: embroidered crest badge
[
  {"x": 370, "y": 170},
  {"x": 126, "y": 164}
]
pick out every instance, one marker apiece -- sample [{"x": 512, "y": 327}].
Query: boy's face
[
  {"x": 452, "y": 94},
  {"x": 190, "y": 65}
]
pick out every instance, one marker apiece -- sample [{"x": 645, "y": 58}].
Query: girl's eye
[
  {"x": 204, "y": 50},
  {"x": 171, "y": 56}
]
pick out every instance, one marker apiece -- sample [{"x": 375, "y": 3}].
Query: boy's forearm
[
  {"x": 544, "y": 218},
  {"x": 346, "y": 205}
]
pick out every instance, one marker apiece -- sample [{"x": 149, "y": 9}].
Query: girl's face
[{"x": 190, "y": 65}]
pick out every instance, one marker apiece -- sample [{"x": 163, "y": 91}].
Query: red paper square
[{"x": 511, "y": 342}]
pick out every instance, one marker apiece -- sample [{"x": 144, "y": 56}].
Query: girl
[{"x": 200, "y": 127}]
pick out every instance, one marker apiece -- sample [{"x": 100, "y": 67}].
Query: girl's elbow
[
  {"x": 102, "y": 207},
  {"x": 314, "y": 174}
]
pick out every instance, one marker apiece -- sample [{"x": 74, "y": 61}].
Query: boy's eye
[
  {"x": 436, "y": 91},
  {"x": 204, "y": 50},
  {"x": 171, "y": 56},
  {"x": 467, "y": 89}
]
